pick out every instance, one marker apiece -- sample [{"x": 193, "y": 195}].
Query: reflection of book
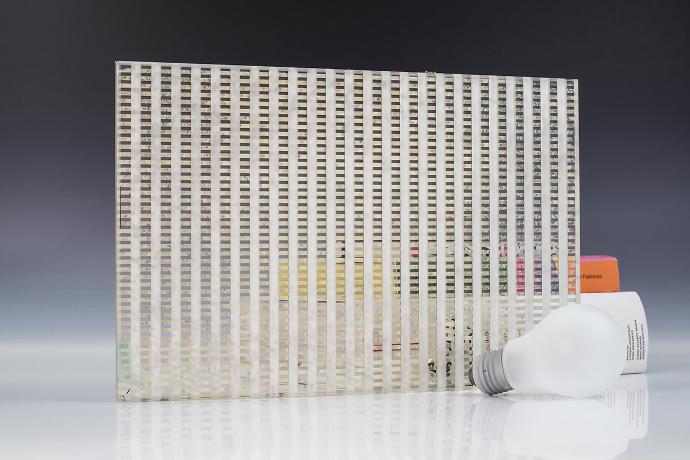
[{"x": 377, "y": 275}]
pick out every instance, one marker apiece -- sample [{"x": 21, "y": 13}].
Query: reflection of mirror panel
[{"x": 415, "y": 425}]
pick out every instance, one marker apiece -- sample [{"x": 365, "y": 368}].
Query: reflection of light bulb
[
  {"x": 574, "y": 351},
  {"x": 555, "y": 429}
]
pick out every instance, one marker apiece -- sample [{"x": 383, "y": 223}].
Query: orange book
[{"x": 599, "y": 274}]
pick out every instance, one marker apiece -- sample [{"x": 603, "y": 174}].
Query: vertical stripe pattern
[{"x": 306, "y": 231}]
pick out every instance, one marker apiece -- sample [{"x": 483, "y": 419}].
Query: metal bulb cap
[{"x": 487, "y": 373}]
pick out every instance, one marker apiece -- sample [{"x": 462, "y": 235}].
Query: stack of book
[{"x": 599, "y": 274}]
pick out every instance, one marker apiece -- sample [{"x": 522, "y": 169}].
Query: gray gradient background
[{"x": 57, "y": 282}]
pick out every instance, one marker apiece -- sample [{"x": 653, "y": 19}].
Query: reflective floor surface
[{"x": 57, "y": 402}]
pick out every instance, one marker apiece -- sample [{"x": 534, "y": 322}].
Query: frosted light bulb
[{"x": 574, "y": 351}]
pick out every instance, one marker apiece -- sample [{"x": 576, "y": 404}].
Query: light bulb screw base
[{"x": 487, "y": 373}]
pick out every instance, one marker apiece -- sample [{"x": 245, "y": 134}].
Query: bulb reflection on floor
[{"x": 425, "y": 425}]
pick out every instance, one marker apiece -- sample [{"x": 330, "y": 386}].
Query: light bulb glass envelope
[{"x": 574, "y": 351}]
